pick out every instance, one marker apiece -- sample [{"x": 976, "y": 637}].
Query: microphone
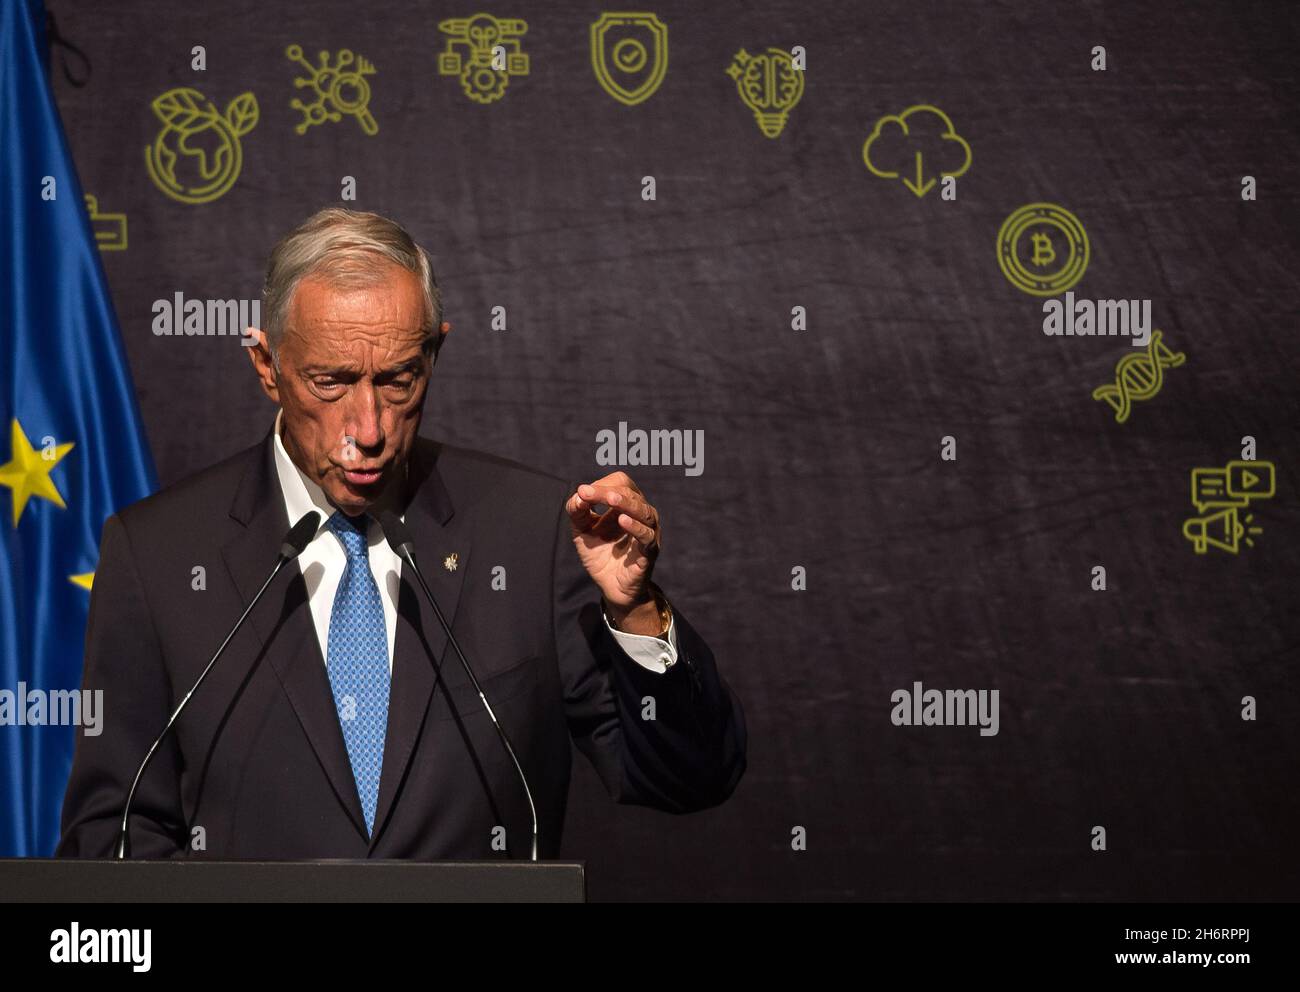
[
  {"x": 291, "y": 547},
  {"x": 399, "y": 539}
]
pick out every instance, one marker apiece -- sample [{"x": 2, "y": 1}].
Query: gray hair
[{"x": 346, "y": 248}]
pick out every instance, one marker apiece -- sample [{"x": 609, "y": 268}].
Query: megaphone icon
[{"x": 1222, "y": 529}]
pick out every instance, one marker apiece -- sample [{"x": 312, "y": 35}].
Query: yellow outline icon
[
  {"x": 188, "y": 115},
  {"x": 629, "y": 55},
  {"x": 1138, "y": 376},
  {"x": 340, "y": 89},
  {"x": 1228, "y": 492},
  {"x": 109, "y": 229},
  {"x": 480, "y": 33},
  {"x": 769, "y": 85},
  {"x": 920, "y": 187},
  {"x": 1043, "y": 215}
]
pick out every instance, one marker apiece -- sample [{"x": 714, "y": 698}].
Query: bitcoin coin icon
[
  {"x": 1054, "y": 235},
  {"x": 1044, "y": 253}
]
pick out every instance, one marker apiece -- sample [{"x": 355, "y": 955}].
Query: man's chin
[{"x": 353, "y": 497}]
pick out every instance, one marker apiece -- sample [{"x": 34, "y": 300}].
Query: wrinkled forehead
[{"x": 384, "y": 309}]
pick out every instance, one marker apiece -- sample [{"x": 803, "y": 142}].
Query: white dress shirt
[{"x": 323, "y": 560}]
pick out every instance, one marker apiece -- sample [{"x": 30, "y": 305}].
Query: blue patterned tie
[{"x": 357, "y": 661}]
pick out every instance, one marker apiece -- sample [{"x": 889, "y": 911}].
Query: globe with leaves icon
[{"x": 196, "y": 156}]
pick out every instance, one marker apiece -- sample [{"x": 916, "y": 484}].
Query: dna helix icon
[{"x": 1138, "y": 376}]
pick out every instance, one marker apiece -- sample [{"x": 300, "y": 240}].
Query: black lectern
[{"x": 85, "y": 881}]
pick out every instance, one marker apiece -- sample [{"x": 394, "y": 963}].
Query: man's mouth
[{"x": 363, "y": 476}]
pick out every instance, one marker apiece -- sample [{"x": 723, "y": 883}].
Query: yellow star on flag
[
  {"x": 28, "y": 472},
  {"x": 85, "y": 580}
]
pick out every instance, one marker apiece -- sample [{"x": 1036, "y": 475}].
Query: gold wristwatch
[{"x": 661, "y": 603}]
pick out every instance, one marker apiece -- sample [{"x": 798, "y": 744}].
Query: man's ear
[
  {"x": 259, "y": 353},
  {"x": 434, "y": 344}
]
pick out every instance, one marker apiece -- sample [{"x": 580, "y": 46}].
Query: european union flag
[{"x": 72, "y": 448}]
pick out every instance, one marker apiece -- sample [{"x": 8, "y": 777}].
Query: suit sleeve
[
  {"x": 124, "y": 659},
  {"x": 691, "y": 755}
]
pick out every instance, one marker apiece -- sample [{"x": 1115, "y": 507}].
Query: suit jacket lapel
[
  {"x": 283, "y": 622},
  {"x": 420, "y": 646}
]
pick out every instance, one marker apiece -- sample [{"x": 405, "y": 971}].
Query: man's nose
[{"x": 364, "y": 417}]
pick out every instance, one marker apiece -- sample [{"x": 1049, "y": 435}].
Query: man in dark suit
[{"x": 339, "y": 724}]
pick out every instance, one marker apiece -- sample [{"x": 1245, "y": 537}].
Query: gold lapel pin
[{"x": 449, "y": 563}]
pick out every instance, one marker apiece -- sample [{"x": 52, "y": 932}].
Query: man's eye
[
  {"x": 327, "y": 383},
  {"x": 402, "y": 384}
]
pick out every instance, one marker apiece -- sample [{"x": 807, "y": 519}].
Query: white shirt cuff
[{"x": 654, "y": 653}]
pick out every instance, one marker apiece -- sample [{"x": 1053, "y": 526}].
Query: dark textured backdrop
[{"x": 1118, "y": 708}]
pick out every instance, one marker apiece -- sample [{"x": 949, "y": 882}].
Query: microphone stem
[
  {"x": 123, "y": 837},
  {"x": 409, "y": 556}
]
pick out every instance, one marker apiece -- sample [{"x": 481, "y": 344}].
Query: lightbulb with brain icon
[{"x": 769, "y": 85}]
